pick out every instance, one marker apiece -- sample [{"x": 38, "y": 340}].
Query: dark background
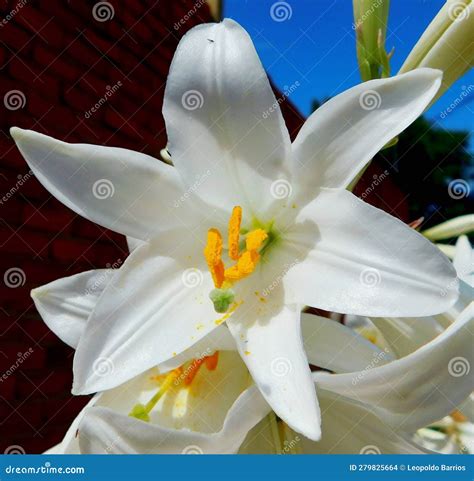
[{"x": 62, "y": 60}]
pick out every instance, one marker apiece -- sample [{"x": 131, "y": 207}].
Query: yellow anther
[
  {"x": 245, "y": 266},
  {"x": 255, "y": 239},
  {"x": 213, "y": 255},
  {"x": 234, "y": 232}
]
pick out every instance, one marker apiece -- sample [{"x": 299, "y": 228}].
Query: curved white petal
[
  {"x": 338, "y": 140},
  {"x": 269, "y": 341},
  {"x": 155, "y": 307},
  {"x": 337, "y": 348},
  {"x": 420, "y": 388},
  {"x": 227, "y": 136},
  {"x": 407, "y": 334},
  {"x": 66, "y": 304},
  {"x": 126, "y": 191},
  {"x": 464, "y": 260},
  {"x": 133, "y": 243},
  {"x": 356, "y": 259},
  {"x": 349, "y": 427},
  {"x": 106, "y": 431}
]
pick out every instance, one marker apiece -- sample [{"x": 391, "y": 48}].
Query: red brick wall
[{"x": 57, "y": 61}]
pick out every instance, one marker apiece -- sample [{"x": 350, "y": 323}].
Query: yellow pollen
[
  {"x": 234, "y": 232},
  {"x": 255, "y": 239},
  {"x": 213, "y": 255}
]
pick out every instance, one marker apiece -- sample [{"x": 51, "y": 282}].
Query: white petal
[
  {"x": 226, "y": 134},
  {"x": 335, "y": 347},
  {"x": 106, "y": 431},
  {"x": 347, "y": 131},
  {"x": 123, "y": 190},
  {"x": 349, "y": 427},
  {"x": 66, "y": 304},
  {"x": 405, "y": 335},
  {"x": 464, "y": 260},
  {"x": 220, "y": 339},
  {"x": 350, "y": 257},
  {"x": 420, "y": 388},
  {"x": 271, "y": 346},
  {"x": 133, "y": 243},
  {"x": 155, "y": 307}
]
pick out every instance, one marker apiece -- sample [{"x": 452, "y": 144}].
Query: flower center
[
  {"x": 184, "y": 375},
  {"x": 245, "y": 262}
]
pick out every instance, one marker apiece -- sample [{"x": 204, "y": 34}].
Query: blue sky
[{"x": 316, "y": 47}]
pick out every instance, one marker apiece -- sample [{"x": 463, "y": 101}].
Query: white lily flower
[
  {"x": 350, "y": 424},
  {"x": 308, "y": 240}
]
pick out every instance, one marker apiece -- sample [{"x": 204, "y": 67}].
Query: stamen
[
  {"x": 142, "y": 411},
  {"x": 245, "y": 266},
  {"x": 255, "y": 239},
  {"x": 234, "y": 232},
  {"x": 209, "y": 361},
  {"x": 213, "y": 255}
]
